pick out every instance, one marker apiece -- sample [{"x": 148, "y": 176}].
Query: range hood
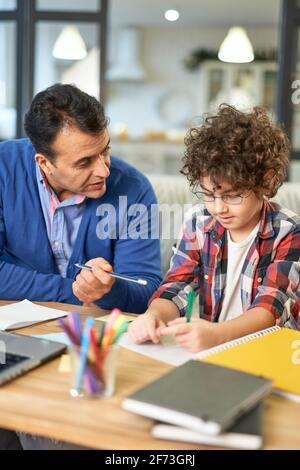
[{"x": 127, "y": 66}]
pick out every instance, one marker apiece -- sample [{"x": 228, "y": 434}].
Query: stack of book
[
  {"x": 200, "y": 402},
  {"x": 218, "y": 400}
]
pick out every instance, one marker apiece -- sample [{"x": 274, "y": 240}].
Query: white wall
[
  {"x": 162, "y": 52},
  {"x": 294, "y": 175}
]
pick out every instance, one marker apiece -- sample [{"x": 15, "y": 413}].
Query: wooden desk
[{"x": 39, "y": 403}]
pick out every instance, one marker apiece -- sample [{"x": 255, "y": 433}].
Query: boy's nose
[{"x": 220, "y": 206}]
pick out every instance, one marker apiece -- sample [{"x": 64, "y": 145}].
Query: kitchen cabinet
[{"x": 242, "y": 85}]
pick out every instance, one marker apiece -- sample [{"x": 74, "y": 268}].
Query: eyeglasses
[{"x": 230, "y": 199}]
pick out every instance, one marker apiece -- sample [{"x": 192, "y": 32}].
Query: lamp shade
[
  {"x": 69, "y": 45},
  {"x": 236, "y": 47}
]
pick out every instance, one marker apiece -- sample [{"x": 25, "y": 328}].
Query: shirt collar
[{"x": 266, "y": 229}]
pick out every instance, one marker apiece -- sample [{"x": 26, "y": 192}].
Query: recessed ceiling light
[{"x": 171, "y": 15}]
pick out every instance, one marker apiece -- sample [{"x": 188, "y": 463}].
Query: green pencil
[
  {"x": 120, "y": 331},
  {"x": 189, "y": 309}
]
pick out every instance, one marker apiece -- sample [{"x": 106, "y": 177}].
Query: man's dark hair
[
  {"x": 57, "y": 107},
  {"x": 245, "y": 149}
]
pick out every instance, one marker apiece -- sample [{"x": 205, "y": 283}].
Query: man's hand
[
  {"x": 144, "y": 328},
  {"x": 194, "y": 336},
  {"x": 92, "y": 285}
]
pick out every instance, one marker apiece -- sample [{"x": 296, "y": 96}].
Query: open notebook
[{"x": 26, "y": 313}]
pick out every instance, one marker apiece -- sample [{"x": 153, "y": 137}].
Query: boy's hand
[
  {"x": 145, "y": 328},
  {"x": 194, "y": 336},
  {"x": 92, "y": 285}
]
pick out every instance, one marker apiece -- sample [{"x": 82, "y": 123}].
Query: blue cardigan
[{"x": 27, "y": 266}]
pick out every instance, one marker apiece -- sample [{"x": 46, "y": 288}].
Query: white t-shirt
[{"x": 237, "y": 252}]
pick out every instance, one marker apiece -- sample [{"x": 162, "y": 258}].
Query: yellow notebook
[{"x": 273, "y": 353}]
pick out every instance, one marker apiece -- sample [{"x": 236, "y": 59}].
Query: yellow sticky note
[{"x": 65, "y": 363}]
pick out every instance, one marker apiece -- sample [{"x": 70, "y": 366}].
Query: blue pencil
[{"x": 84, "y": 349}]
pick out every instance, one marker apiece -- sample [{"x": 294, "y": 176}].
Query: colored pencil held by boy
[{"x": 239, "y": 251}]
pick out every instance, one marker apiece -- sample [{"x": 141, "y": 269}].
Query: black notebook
[
  {"x": 199, "y": 396},
  {"x": 245, "y": 434}
]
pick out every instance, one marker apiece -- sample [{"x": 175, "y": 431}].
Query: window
[
  {"x": 6, "y": 5},
  {"x": 295, "y": 127},
  {"x": 7, "y": 80},
  {"x": 67, "y": 5},
  {"x": 50, "y": 69},
  {"x": 288, "y": 111},
  {"x": 29, "y": 32}
]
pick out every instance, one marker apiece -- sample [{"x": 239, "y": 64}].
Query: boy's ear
[{"x": 270, "y": 182}]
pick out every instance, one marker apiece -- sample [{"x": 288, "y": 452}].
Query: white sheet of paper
[
  {"x": 167, "y": 351},
  {"x": 25, "y": 313}
]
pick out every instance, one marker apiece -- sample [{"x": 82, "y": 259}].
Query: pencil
[
  {"x": 189, "y": 308},
  {"x": 142, "y": 282},
  {"x": 84, "y": 348}
]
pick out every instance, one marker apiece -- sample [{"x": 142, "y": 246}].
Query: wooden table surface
[{"x": 39, "y": 403}]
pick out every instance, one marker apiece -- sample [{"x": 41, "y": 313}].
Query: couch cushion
[{"x": 289, "y": 196}]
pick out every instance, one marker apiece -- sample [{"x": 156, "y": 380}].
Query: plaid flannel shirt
[{"x": 269, "y": 277}]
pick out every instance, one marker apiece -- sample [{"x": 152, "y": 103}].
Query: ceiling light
[
  {"x": 171, "y": 15},
  {"x": 69, "y": 45},
  {"x": 236, "y": 47}
]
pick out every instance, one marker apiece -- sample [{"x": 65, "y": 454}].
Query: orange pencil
[{"x": 109, "y": 328}]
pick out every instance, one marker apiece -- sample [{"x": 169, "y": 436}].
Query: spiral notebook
[{"x": 273, "y": 353}]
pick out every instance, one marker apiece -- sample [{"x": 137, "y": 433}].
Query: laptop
[{"x": 19, "y": 354}]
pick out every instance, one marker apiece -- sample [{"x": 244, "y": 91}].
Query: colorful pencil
[{"x": 189, "y": 308}]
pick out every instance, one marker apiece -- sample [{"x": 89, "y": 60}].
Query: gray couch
[{"x": 174, "y": 191}]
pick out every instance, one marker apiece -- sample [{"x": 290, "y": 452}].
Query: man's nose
[{"x": 101, "y": 168}]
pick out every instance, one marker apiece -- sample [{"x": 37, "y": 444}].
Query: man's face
[
  {"x": 81, "y": 163},
  {"x": 239, "y": 219}
]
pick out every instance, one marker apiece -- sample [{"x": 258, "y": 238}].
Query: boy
[{"x": 240, "y": 252}]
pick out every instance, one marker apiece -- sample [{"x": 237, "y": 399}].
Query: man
[{"x": 58, "y": 190}]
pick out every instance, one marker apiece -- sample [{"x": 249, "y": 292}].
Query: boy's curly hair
[{"x": 246, "y": 150}]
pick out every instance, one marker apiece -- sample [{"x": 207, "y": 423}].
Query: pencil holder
[{"x": 98, "y": 376}]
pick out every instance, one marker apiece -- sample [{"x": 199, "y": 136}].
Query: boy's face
[{"x": 238, "y": 215}]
